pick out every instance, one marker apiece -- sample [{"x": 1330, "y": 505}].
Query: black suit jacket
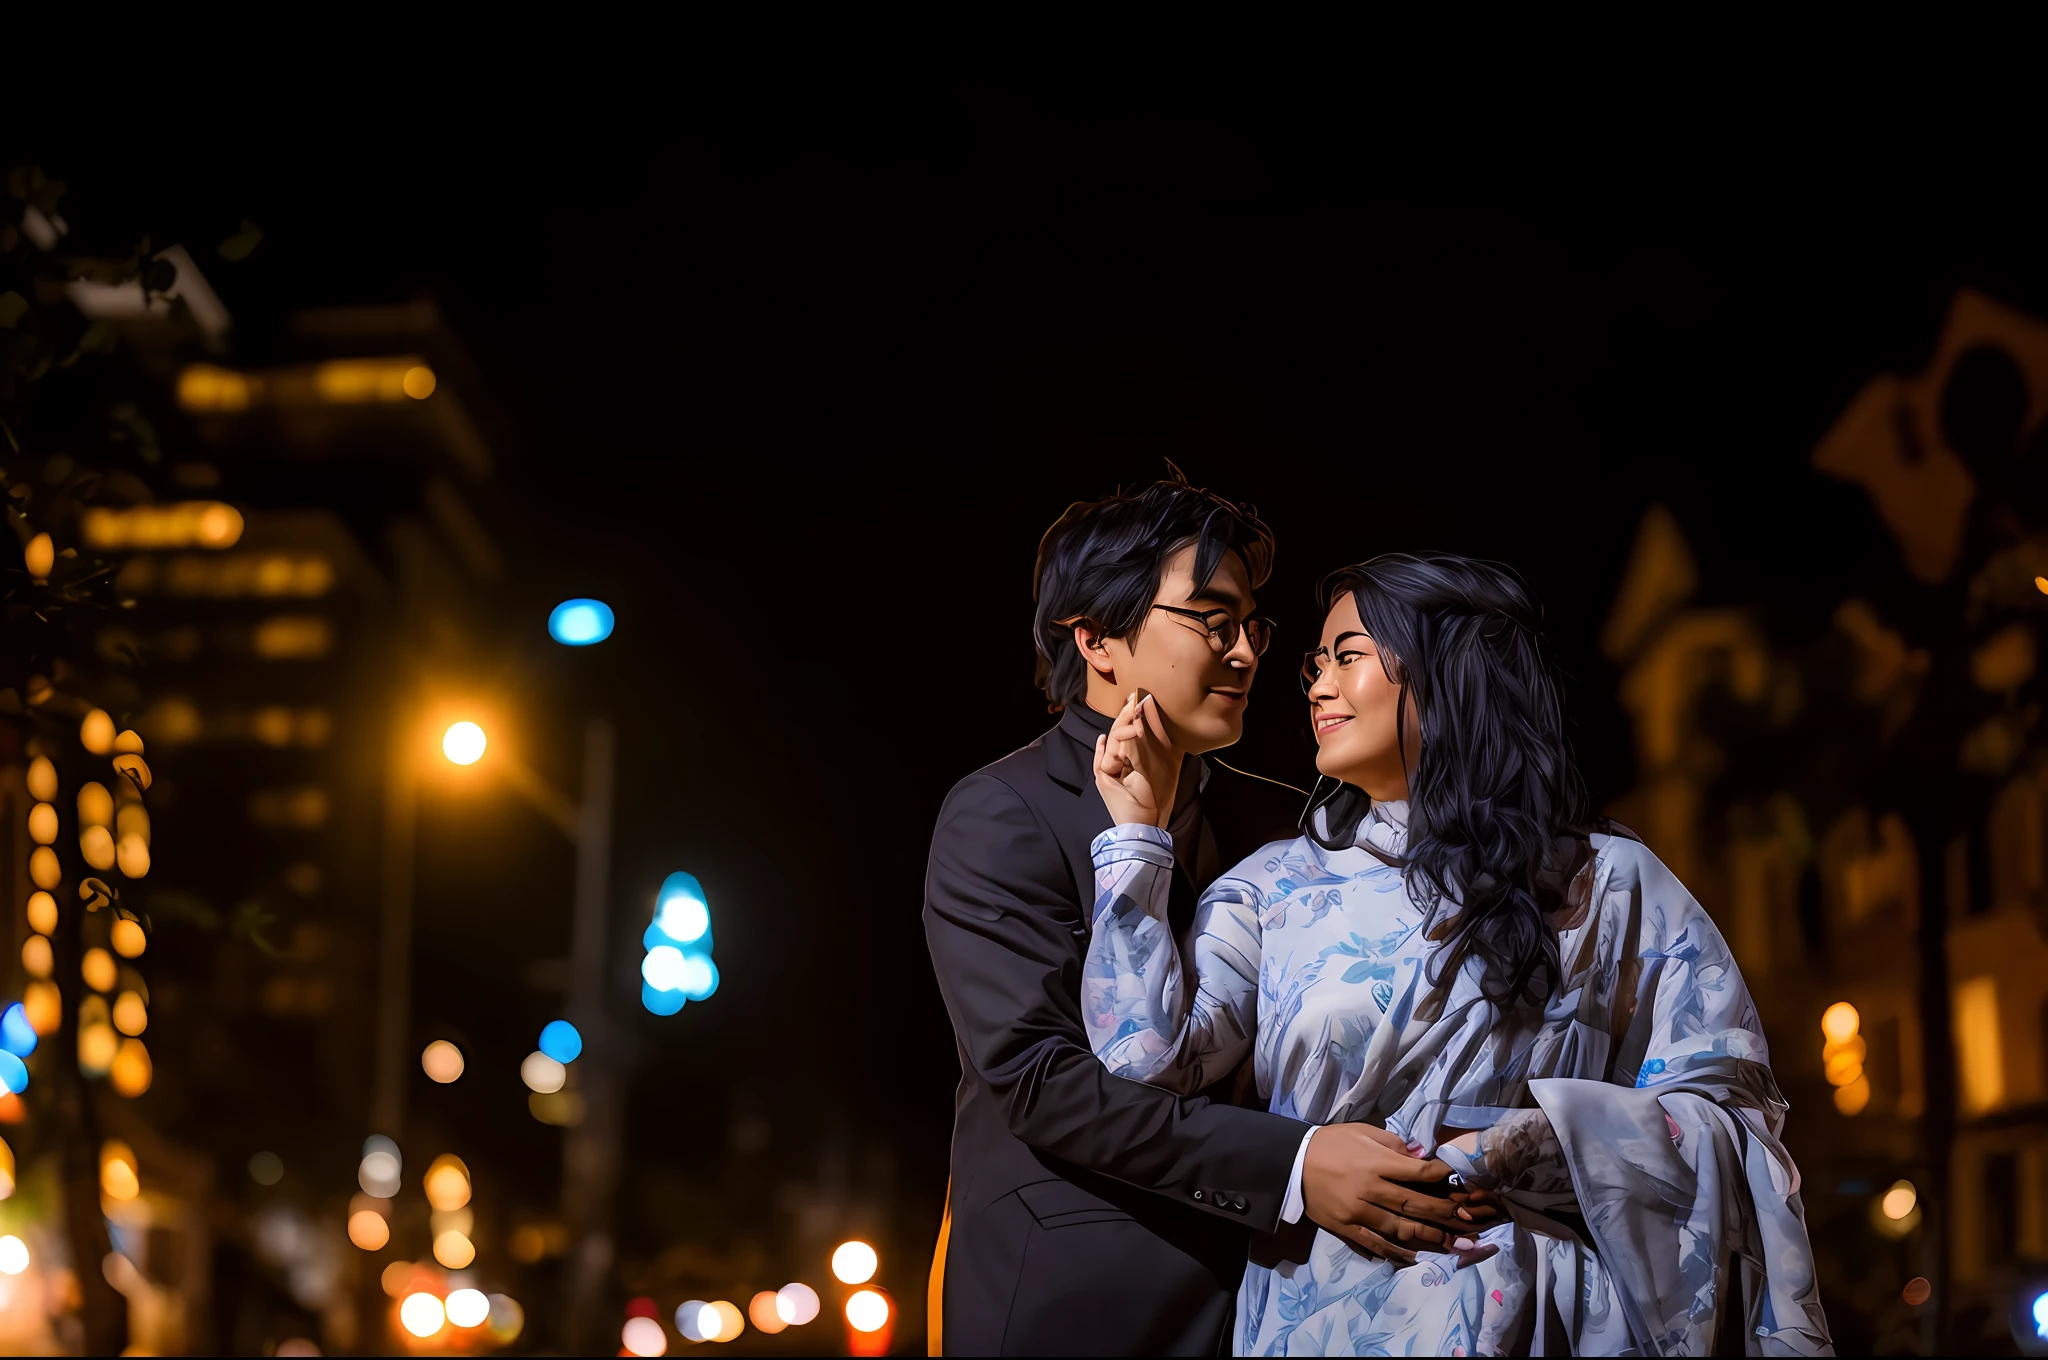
[{"x": 1090, "y": 1214}]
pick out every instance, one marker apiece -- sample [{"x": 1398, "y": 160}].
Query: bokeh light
[
  {"x": 690, "y": 1317},
  {"x": 266, "y": 1168},
  {"x": 131, "y": 1013},
  {"x": 1917, "y": 1291},
  {"x": 659, "y": 1002},
  {"x": 6, "y": 1169},
  {"x": 37, "y": 959},
  {"x": 119, "y": 1177},
  {"x": 42, "y": 912},
  {"x": 1839, "y": 1021},
  {"x": 45, "y": 1007},
  {"x": 507, "y": 1319},
  {"x": 700, "y": 977},
  {"x": 796, "y": 1304},
  {"x": 17, "y": 1035},
  {"x": 1899, "y": 1201},
  {"x": 43, "y": 869},
  {"x": 731, "y": 1321},
  {"x": 867, "y": 1311},
  {"x": 464, "y": 743},
  {"x": 560, "y": 1041},
  {"x": 97, "y": 1045},
  {"x": 579, "y": 623},
  {"x": 663, "y": 968},
  {"x": 681, "y": 910},
  {"x": 95, "y": 805},
  {"x": 396, "y": 1279},
  {"x": 13, "y": 1255},
  {"x": 422, "y": 1314},
  {"x": 447, "y": 1183},
  {"x": 2041, "y": 1315},
  {"x": 419, "y": 382},
  {"x": 42, "y": 824},
  {"x": 96, "y": 732},
  {"x": 96, "y": 845},
  {"x": 442, "y": 1061},
  {"x": 128, "y": 937},
  {"x": 378, "y": 1173},
  {"x": 453, "y": 1249},
  {"x": 131, "y": 1071},
  {"x": 542, "y": 1073},
  {"x": 643, "y": 1336},
  {"x": 13, "y": 1073},
  {"x": 99, "y": 970},
  {"x": 854, "y": 1262},
  {"x": 468, "y": 1308},
  {"x": 368, "y": 1230},
  {"x": 764, "y": 1310}
]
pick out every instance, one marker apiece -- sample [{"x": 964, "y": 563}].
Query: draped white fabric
[{"x": 1649, "y": 1061}]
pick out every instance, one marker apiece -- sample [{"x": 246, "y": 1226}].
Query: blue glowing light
[
  {"x": 2041, "y": 1316},
  {"x": 680, "y": 910},
  {"x": 560, "y": 1041},
  {"x": 579, "y": 623},
  {"x": 13, "y": 1073},
  {"x": 700, "y": 977},
  {"x": 660, "y": 1002},
  {"x": 17, "y": 1035}
]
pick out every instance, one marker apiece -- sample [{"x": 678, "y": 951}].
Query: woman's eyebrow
[{"x": 1341, "y": 636}]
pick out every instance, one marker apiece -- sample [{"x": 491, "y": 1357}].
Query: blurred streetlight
[
  {"x": 464, "y": 743},
  {"x": 855, "y": 1263}
]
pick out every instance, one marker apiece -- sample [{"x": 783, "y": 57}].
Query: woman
[{"x": 1456, "y": 949}]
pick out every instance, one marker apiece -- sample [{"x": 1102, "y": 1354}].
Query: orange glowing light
[
  {"x": 131, "y": 1071},
  {"x": 368, "y": 1230},
  {"x": 37, "y": 959},
  {"x": 42, "y": 912},
  {"x": 98, "y": 970},
  {"x": 447, "y": 1183},
  {"x": 763, "y": 1313},
  {"x": 128, "y": 939},
  {"x": 42, "y": 824},
  {"x": 118, "y": 1176},
  {"x": 45, "y": 1007},
  {"x": 867, "y": 1311}
]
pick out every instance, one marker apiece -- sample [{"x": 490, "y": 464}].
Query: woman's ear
[{"x": 1094, "y": 649}]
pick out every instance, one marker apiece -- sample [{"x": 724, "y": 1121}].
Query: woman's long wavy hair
[{"x": 1498, "y": 816}]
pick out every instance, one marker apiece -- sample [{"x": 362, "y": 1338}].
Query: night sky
[{"x": 796, "y": 386}]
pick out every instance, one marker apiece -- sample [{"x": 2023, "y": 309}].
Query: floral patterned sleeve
[{"x": 1172, "y": 1013}]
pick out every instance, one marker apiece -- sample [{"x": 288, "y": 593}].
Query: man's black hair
[{"x": 1103, "y": 560}]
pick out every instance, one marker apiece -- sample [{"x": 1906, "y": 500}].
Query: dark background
[{"x": 796, "y": 382}]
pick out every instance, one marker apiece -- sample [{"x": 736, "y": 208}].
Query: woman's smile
[{"x": 1330, "y": 722}]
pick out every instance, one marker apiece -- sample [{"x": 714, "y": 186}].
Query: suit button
[
  {"x": 1240, "y": 1204},
  {"x": 1198, "y": 1194}
]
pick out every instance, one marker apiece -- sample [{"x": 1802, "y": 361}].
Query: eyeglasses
[{"x": 1223, "y": 630}]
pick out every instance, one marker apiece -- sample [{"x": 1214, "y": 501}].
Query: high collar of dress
[{"x": 1384, "y": 828}]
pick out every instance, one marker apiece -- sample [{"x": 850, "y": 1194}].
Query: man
[{"x": 1088, "y": 1214}]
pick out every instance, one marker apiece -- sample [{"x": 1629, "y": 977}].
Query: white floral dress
[{"x": 1649, "y": 1060}]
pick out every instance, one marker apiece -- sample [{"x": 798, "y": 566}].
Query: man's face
[{"x": 1200, "y": 687}]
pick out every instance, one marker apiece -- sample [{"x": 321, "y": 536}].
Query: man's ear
[{"x": 1090, "y": 643}]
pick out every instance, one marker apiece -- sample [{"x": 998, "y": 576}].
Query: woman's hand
[
  {"x": 1352, "y": 1186},
  {"x": 1137, "y": 770}
]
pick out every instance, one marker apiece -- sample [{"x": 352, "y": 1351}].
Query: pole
[
  {"x": 590, "y": 1149},
  {"x": 394, "y": 971}
]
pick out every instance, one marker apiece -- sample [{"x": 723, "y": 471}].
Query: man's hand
[
  {"x": 1137, "y": 770},
  {"x": 1351, "y": 1185}
]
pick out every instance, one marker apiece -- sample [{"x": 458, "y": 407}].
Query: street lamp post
[{"x": 591, "y": 1147}]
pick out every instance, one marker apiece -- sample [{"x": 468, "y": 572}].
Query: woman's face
[{"x": 1355, "y": 709}]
